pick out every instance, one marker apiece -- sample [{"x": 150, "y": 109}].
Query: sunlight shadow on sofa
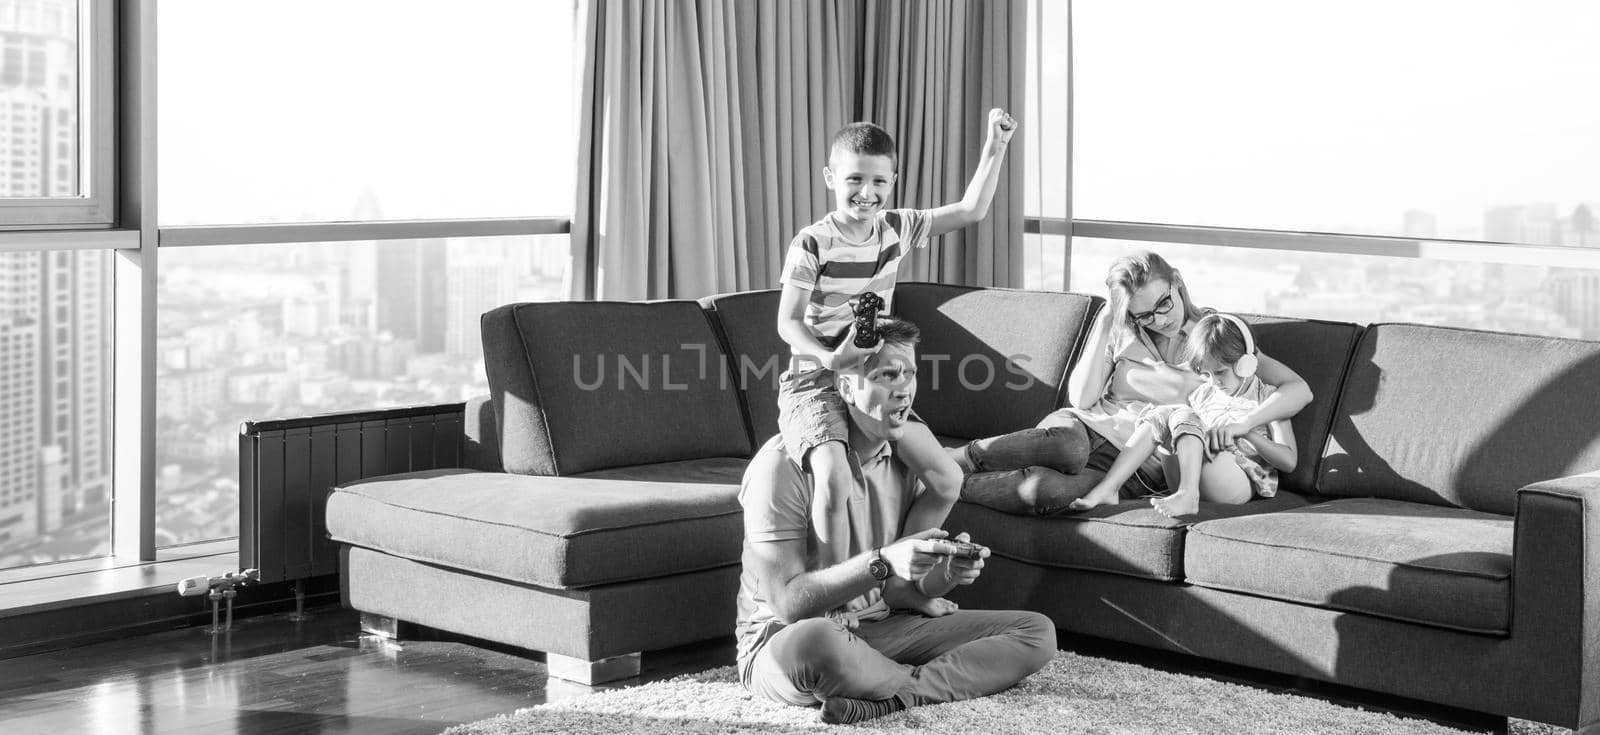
[
  {"x": 1547, "y": 434},
  {"x": 1437, "y": 661}
]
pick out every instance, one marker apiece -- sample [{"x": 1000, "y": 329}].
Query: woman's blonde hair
[{"x": 1132, "y": 272}]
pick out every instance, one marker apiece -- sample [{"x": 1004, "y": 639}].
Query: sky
[
  {"x": 1293, "y": 114},
  {"x": 290, "y": 109}
]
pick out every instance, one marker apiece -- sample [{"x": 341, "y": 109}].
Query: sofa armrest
[
  {"x": 1556, "y": 590},
  {"x": 480, "y": 436}
]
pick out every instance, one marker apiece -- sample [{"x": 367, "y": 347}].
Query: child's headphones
[{"x": 1246, "y": 366}]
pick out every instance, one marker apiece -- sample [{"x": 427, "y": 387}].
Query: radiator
[{"x": 288, "y": 466}]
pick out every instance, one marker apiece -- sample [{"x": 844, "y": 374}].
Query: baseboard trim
[{"x": 94, "y": 620}]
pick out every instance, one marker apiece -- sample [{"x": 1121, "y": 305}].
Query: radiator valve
[{"x": 217, "y": 589}]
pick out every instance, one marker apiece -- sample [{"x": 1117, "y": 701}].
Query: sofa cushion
[
  {"x": 1128, "y": 538},
  {"x": 1318, "y": 351},
  {"x": 993, "y": 360},
  {"x": 569, "y": 379},
  {"x": 749, "y": 323},
  {"x": 559, "y": 532},
  {"x": 1462, "y": 417},
  {"x": 719, "y": 471},
  {"x": 1423, "y": 563}
]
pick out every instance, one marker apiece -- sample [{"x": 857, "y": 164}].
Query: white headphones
[{"x": 1246, "y": 366}]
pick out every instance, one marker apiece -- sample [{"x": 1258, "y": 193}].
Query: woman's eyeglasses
[{"x": 1163, "y": 306}]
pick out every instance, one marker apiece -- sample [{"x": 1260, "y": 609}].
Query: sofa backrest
[
  {"x": 757, "y": 355},
  {"x": 993, "y": 360},
  {"x": 581, "y": 386},
  {"x": 1317, "y": 350},
  {"x": 1462, "y": 417}
]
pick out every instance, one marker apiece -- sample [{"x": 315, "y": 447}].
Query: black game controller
[
  {"x": 966, "y": 550},
  {"x": 866, "y": 309}
]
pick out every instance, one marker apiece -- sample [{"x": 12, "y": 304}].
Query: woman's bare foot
[
  {"x": 1096, "y": 498},
  {"x": 1180, "y": 503}
]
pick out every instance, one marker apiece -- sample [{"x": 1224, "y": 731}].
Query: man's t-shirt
[
  {"x": 776, "y": 497},
  {"x": 837, "y": 270}
]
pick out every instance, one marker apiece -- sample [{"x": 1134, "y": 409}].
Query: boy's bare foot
[
  {"x": 933, "y": 607},
  {"x": 1181, "y": 503}
]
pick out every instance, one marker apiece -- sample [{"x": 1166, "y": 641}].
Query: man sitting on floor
[{"x": 834, "y": 635}]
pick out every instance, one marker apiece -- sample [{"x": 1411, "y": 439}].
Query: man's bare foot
[
  {"x": 933, "y": 607},
  {"x": 1181, "y": 503}
]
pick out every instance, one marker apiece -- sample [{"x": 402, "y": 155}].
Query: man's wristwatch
[{"x": 878, "y": 567}]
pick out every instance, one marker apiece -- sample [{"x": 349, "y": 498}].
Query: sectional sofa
[{"x": 1439, "y": 540}]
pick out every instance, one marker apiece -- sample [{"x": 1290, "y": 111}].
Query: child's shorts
[
  {"x": 1171, "y": 422},
  {"x": 810, "y": 413}
]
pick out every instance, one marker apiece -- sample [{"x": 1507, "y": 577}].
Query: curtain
[{"x": 704, "y": 127}]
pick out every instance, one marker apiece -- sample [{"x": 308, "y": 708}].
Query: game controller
[
  {"x": 866, "y": 309},
  {"x": 966, "y": 550}
]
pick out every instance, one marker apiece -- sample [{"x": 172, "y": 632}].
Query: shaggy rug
[{"x": 1074, "y": 693}]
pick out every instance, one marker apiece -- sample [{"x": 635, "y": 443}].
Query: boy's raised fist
[{"x": 1001, "y": 125}]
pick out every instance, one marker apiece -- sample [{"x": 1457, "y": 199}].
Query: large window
[
  {"x": 1428, "y": 162},
  {"x": 56, "y": 113},
  {"x": 351, "y": 184},
  {"x": 378, "y": 115},
  {"x": 267, "y": 331}
]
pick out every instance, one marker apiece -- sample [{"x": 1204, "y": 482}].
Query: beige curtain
[{"x": 704, "y": 127}]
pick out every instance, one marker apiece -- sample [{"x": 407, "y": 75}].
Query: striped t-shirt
[{"x": 837, "y": 271}]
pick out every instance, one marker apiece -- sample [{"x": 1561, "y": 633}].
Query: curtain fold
[{"x": 704, "y": 126}]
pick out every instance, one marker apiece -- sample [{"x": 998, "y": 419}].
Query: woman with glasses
[{"x": 1132, "y": 360}]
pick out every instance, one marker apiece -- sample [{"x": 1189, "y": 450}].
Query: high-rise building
[
  {"x": 358, "y": 271},
  {"x": 1577, "y": 297},
  {"x": 38, "y": 99},
  {"x": 1534, "y": 224},
  {"x": 411, "y": 292},
  {"x": 75, "y": 329},
  {"x": 19, "y": 391},
  {"x": 55, "y": 318},
  {"x": 474, "y": 285}
]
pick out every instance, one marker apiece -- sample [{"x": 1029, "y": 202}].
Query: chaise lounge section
[{"x": 1440, "y": 538}]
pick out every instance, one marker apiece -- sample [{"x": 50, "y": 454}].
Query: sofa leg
[
  {"x": 592, "y": 672},
  {"x": 383, "y": 626}
]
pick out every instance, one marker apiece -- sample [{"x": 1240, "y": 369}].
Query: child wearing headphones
[{"x": 1222, "y": 351}]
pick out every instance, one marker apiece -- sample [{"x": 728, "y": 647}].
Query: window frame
[{"x": 95, "y": 206}]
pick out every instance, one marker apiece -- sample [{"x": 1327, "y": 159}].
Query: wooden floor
[{"x": 274, "y": 675}]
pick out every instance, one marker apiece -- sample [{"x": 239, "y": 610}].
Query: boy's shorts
[{"x": 810, "y": 413}]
